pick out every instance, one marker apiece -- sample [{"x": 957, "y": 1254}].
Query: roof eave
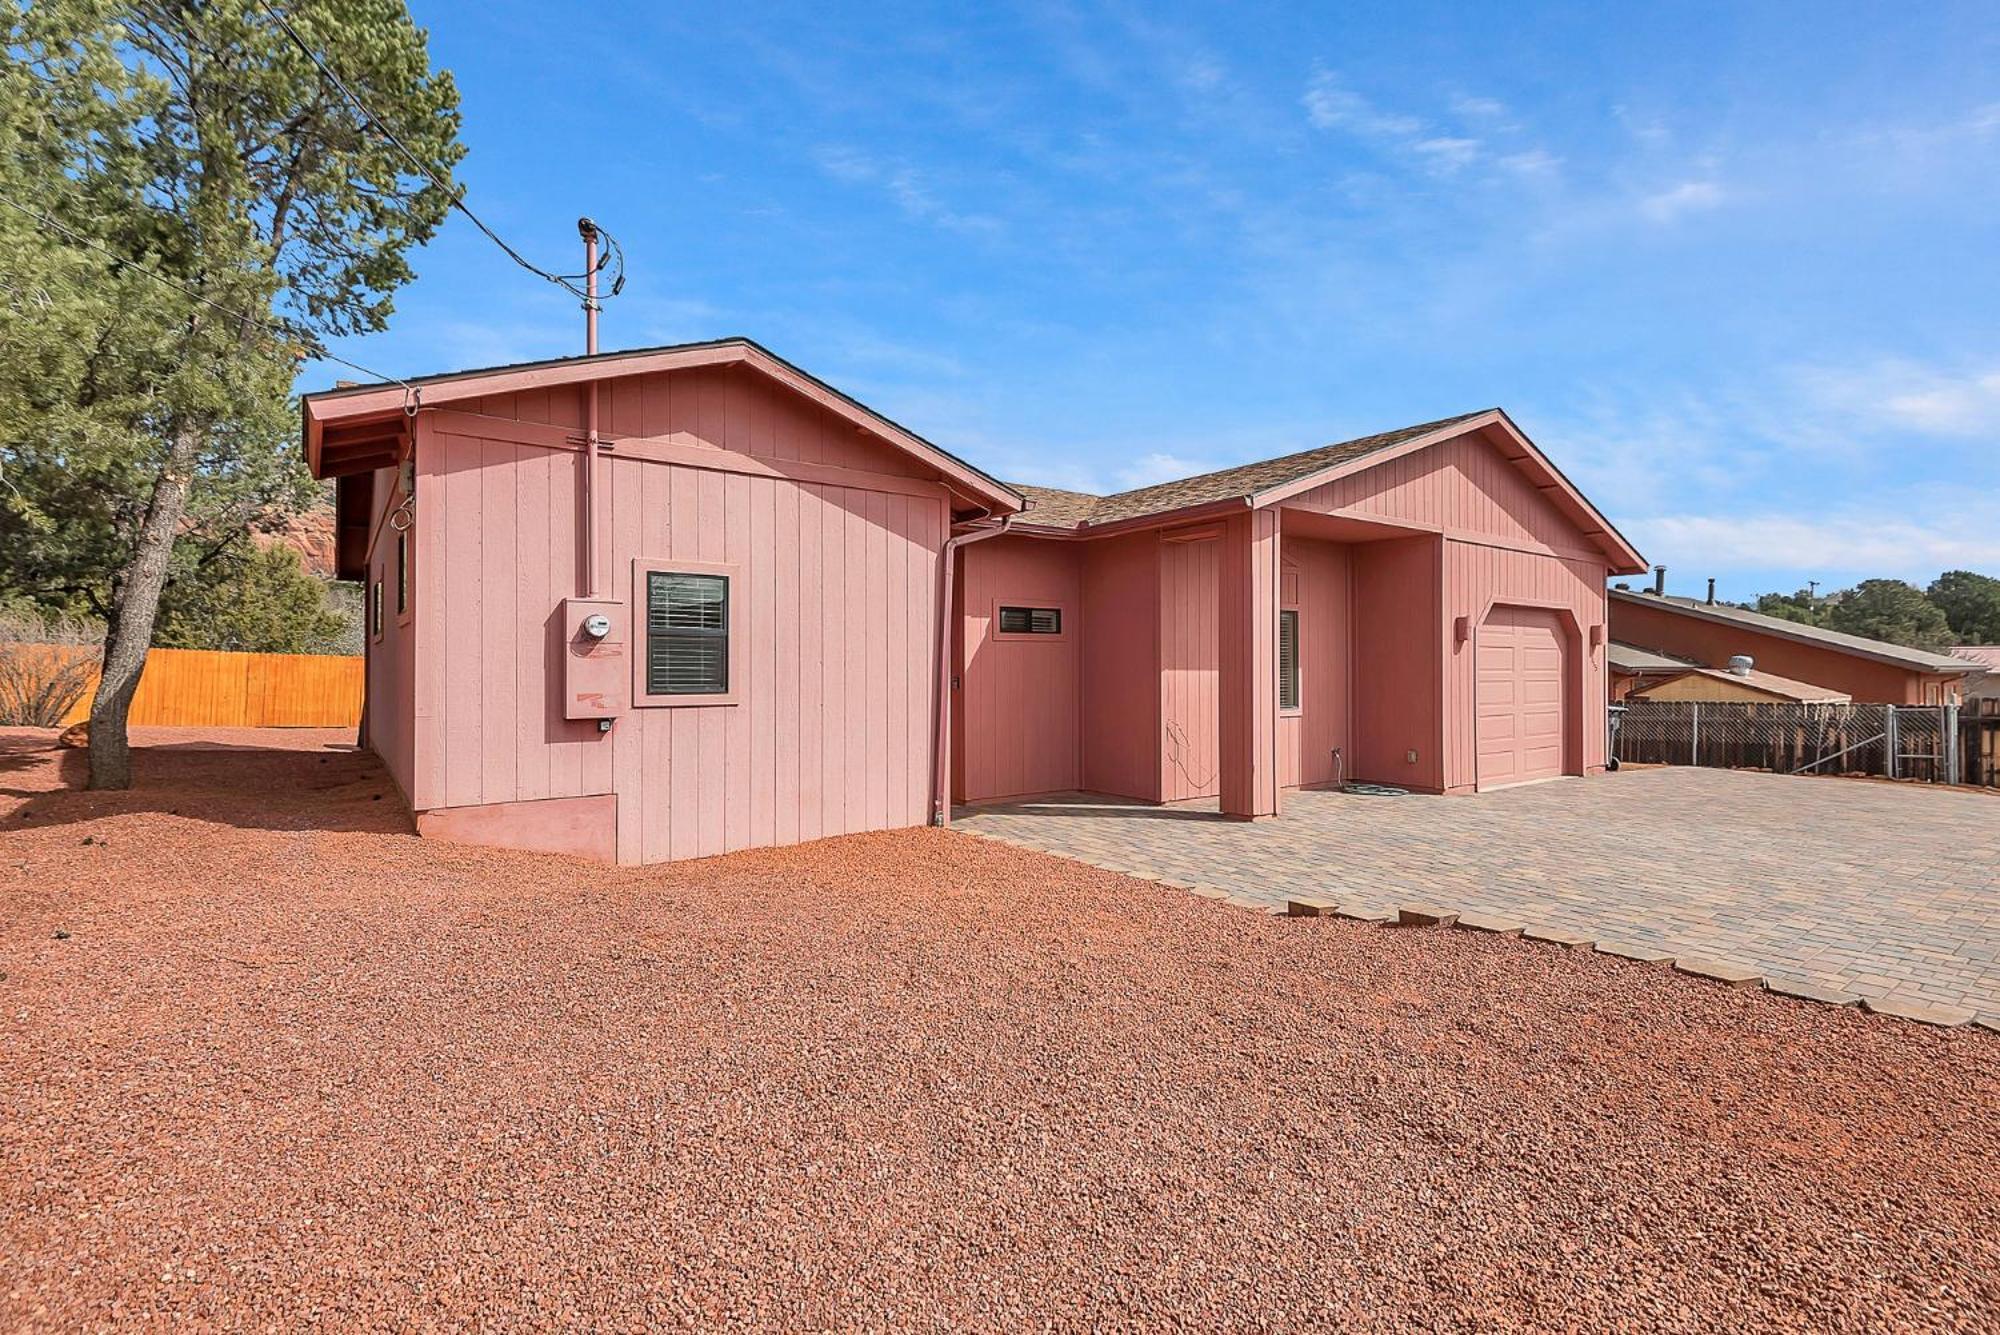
[{"x": 333, "y": 405}]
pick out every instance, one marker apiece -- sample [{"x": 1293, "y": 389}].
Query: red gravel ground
[{"x": 291, "y": 1064}]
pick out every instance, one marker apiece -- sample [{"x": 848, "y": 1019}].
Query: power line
[
  {"x": 311, "y": 344},
  {"x": 565, "y": 281}
]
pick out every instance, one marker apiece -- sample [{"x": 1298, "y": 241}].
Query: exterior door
[{"x": 1522, "y": 709}]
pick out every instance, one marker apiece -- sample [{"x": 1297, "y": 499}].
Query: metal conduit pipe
[{"x": 977, "y": 530}]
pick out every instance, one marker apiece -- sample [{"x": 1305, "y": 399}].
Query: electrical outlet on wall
[{"x": 1410, "y": 756}]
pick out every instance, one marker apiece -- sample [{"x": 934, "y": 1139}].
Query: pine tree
[{"x": 205, "y": 205}]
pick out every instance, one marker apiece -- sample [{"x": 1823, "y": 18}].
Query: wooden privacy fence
[{"x": 218, "y": 689}]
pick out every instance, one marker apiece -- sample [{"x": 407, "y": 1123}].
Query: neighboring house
[
  {"x": 1710, "y": 634},
  {"x": 1738, "y": 684},
  {"x": 1633, "y": 668},
  {"x": 722, "y": 629},
  {"x": 1984, "y": 683}
]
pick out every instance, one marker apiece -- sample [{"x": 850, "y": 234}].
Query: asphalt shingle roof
[{"x": 1054, "y": 508}]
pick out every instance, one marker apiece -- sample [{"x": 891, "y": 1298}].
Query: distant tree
[
  {"x": 1800, "y": 606},
  {"x": 192, "y": 140},
  {"x": 1889, "y": 609},
  {"x": 253, "y": 599},
  {"x": 1970, "y": 603}
]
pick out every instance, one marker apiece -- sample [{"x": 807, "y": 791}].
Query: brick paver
[{"x": 1882, "y": 892}]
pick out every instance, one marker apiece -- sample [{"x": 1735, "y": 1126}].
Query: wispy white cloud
[
  {"x": 1907, "y": 396},
  {"x": 1829, "y": 546},
  {"x": 907, "y": 187},
  {"x": 1647, "y": 128},
  {"x": 1332, "y": 106},
  {"x": 1448, "y": 153},
  {"x": 1678, "y": 201},
  {"x": 1478, "y": 131},
  {"x": 1534, "y": 162},
  {"x": 1479, "y": 108}
]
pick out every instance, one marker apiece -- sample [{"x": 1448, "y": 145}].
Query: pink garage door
[{"x": 1519, "y": 712}]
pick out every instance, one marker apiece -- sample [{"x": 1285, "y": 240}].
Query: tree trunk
[{"x": 135, "y": 602}]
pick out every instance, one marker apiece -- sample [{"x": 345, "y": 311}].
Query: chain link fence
[{"x": 1917, "y": 742}]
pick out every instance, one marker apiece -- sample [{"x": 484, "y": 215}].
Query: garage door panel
[{"x": 1520, "y": 710}]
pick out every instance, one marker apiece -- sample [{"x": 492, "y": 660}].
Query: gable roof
[
  {"x": 368, "y": 414},
  {"x": 1880, "y": 651},
  {"x": 1768, "y": 683},
  {"x": 1270, "y": 480},
  {"x": 1073, "y": 509}
]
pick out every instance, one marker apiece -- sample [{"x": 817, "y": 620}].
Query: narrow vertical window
[
  {"x": 1288, "y": 659},
  {"x": 402, "y": 573},
  {"x": 375, "y": 608},
  {"x": 687, "y": 634}
]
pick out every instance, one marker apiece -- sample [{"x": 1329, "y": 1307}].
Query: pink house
[{"x": 673, "y": 602}]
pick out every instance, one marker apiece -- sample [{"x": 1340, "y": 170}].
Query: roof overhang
[
  {"x": 358, "y": 428},
  {"x": 1517, "y": 449}
]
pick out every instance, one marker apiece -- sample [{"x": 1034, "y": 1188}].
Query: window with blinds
[
  {"x": 687, "y": 634},
  {"x": 1288, "y": 659},
  {"x": 1031, "y": 621}
]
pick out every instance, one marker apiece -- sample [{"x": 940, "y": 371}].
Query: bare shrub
[{"x": 46, "y": 665}]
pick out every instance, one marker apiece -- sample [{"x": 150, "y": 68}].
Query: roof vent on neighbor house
[
  {"x": 1659, "y": 579},
  {"x": 1741, "y": 664}
]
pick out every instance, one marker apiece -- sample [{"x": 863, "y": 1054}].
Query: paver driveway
[{"x": 1876, "y": 890}]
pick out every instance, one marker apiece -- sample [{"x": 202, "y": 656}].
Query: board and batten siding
[
  {"x": 1018, "y": 712},
  {"x": 1121, "y": 666},
  {"x": 1479, "y": 578},
  {"x": 1463, "y": 488},
  {"x": 834, "y": 606},
  {"x": 1318, "y": 585},
  {"x": 1190, "y": 668}
]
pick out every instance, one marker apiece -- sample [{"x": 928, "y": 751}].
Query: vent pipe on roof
[
  {"x": 1711, "y": 590},
  {"x": 1659, "y": 579},
  {"x": 1740, "y": 664}
]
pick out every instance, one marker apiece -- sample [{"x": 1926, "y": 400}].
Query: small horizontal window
[
  {"x": 687, "y": 634},
  {"x": 1031, "y": 621}
]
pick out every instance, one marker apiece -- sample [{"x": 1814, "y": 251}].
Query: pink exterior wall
[
  {"x": 1476, "y": 579},
  {"x": 1318, "y": 584},
  {"x": 1247, "y": 620},
  {"x": 1018, "y": 713},
  {"x": 1397, "y": 694},
  {"x": 1712, "y": 643},
  {"x": 1121, "y": 666},
  {"x": 392, "y": 660},
  {"x": 1498, "y": 540},
  {"x": 837, "y": 538},
  {"x": 1463, "y": 488},
  {"x": 1189, "y": 743}
]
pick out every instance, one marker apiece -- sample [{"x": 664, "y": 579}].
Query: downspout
[
  {"x": 588, "y": 580},
  {"x": 941, "y": 712}
]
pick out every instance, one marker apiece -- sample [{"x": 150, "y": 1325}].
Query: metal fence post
[
  {"x": 1694, "y": 732},
  {"x": 1890, "y": 742},
  {"x": 1952, "y": 739}
]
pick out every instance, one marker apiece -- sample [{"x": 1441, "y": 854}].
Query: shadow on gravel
[{"x": 246, "y": 786}]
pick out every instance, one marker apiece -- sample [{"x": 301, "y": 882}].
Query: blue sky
[{"x": 1736, "y": 267}]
